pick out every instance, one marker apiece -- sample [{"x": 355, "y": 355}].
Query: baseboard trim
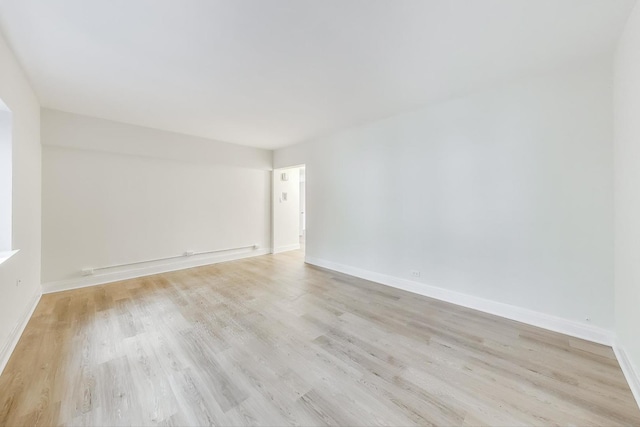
[
  {"x": 531, "y": 317},
  {"x": 156, "y": 268},
  {"x": 16, "y": 333},
  {"x": 630, "y": 372},
  {"x": 286, "y": 248}
]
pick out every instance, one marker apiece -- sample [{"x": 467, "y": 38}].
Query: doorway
[
  {"x": 303, "y": 196},
  {"x": 289, "y": 209}
]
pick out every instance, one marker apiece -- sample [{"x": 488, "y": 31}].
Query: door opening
[
  {"x": 289, "y": 213},
  {"x": 303, "y": 224}
]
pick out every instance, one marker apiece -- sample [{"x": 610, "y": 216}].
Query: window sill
[{"x": 7, "y": 254}]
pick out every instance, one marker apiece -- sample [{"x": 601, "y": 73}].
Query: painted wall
[
  {"x": 15, "y": 301},
  {"x": 302, "y": 202},
  {"x": 627, "y": 191},
  {"x": 505, "y": 194},
  {"x": 115, "y": 193},
  {"x": 286, "y": 213}
]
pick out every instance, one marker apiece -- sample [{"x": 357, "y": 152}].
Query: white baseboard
[
  {"x": 531, "y": 317},
  {"x": 630, "y": 372},
  {"x": 286, "y": 248},
  {"x": 16, "y": 333},
  {"x": 155, "y": 268}
]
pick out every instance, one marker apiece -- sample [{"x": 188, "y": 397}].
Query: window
[{"x": 5, "y": 179}]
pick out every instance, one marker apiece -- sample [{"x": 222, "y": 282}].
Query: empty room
[{"x": 319, "y": 212}]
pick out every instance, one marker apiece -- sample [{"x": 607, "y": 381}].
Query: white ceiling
[{"x": 269, "y": 73}]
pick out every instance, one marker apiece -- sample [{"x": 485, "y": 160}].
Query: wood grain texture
[{"x": 272, "y": 341}]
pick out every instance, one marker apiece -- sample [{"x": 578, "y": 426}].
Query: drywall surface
[
  {"x": 15, "y": 300},
  {"x": 505, "y": 194},
  {"x": 89, "y": 133},
  {"x": 116, "y": 194},
  {"x": 627, "y": 190},
  {"x": 286, "y": 210}
]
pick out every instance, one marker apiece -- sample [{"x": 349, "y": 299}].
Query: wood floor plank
[{"x": 273, "y": 341}]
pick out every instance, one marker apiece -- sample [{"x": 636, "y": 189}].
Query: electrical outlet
[
  {"x": 18, "y": 282},
  {"x": 189, "y": 253},
  {"x": 87, "y": 271},
  {"x": 415, "y": 273}
]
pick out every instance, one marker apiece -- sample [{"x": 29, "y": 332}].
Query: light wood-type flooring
[{"x": 272, "y": 341}]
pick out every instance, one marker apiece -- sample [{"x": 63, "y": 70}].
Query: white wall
[
  {"x": 15, "y": 301},
  {"x": 302, "y": 202},
  {"x": 115, "y": 193},
  {"x": 505, "y": 194},
  {"x": 627, "y": 192},
  {"x": 286, "y": 213}
]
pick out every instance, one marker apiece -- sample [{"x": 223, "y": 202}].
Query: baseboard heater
[{"x": 91, "y": 270}]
